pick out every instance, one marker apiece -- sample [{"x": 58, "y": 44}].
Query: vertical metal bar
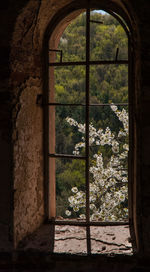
[
  {"x": 131, "y": 166},
  {"x": 130, "y": 209},
  {"x": 51, "y": 140},
  {"x": 46, "y": 129},
  {"x": 117, "y": 52},
  {"x": 87, "y": 129},
  {"x": 61, "y": 56}
]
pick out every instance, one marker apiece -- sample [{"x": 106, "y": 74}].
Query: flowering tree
[{"x": 108, "y": 178}]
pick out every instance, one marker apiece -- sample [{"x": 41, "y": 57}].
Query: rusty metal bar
[
  {"x": 89, "y": 224},
  {"x": 87, "y": 129},
  {"x": 78, "y": 104},
  {"x": 67, "y": 156},
  {"x": 107, "y": 104},
  {"x": 55, "y": 50},
  {"x": 91, "y": 62},
  {"x": 65, "y": 104},
  {"x": 117, "y": 52},
  {"x": 97, "y": 22}
]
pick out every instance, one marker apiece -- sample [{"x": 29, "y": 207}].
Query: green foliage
[{"x": 68, "y": 174}]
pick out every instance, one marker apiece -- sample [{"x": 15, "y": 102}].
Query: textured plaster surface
[
  {"x": 26, "y": 80},
  {"x": 28, "y": 162}
]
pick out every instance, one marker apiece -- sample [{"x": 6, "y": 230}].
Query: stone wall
[
  {"x": 27, "y": 83},
  {"x": 28, "y": 163},
  {"x": 27, "y": 125}
]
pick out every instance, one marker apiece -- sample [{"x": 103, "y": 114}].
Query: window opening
[{"x": 88, "y": 134}]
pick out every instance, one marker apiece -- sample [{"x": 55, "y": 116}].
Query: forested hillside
[{"x": 108, "y": 84}]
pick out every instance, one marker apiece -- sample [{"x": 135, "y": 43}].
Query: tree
[{"x": 109, "y": 179}]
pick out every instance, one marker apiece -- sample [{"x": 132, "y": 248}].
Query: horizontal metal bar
[
  {"x": 106, "y": 104},
  {"x": 97, "y": 22},
  {"x": 84, "y": 223},
  {"x": 67, "y": 156},
  {"x": 102, "y": 62},
  {"x": 65, "y": 104},
  {"x": 55, "y": 50}
]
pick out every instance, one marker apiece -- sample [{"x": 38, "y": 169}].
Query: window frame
[{"x": 58, "y": 19}]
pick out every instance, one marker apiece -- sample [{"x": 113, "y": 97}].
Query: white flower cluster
[
  {"x": 109, "y": 180},
  {"x": 123, "y": 117}
]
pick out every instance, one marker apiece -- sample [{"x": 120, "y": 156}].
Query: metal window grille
[{"x": 87, "y": 63}]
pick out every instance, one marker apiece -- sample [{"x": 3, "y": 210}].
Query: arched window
[{"x": 87, "y": 143}]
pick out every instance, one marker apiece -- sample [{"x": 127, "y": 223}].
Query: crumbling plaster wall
[
  {"x": 26, "y": 80},
  {"x": 28, "y": 163},
  {"x": 27, "y": 124},
  {"x": 27, "y": 133}
]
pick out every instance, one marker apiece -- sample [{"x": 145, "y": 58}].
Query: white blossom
[
  {"x": 108, "y": 185},
  {"x": 74, "y": 189},
  {"x": 68, "y": 213},
  {"x": 82, "y": 216}
]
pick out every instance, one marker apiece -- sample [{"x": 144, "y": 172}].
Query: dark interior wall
[
  {"x": 8, "y": 14},
  {"x": 144, "y": 25},
  {"x": 23, "y": 24},
  {"x": 141, "y": 119}
]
